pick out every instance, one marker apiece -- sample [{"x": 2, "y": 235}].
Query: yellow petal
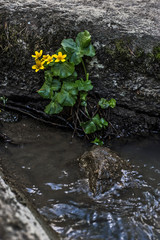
[
  {"x": 49, "y": 62},
  {"x": 63, "y": 60},
  {"x": 38, "y": 62},
  {"x": 34, "y": 66},
  {"x": 41, "y": 52},
  {"x": 64, "y": 56},
  {"x": 57, "y": 60},
  {"x": 34, "y": 56},
  {"x": 37, "y": 70},
  {"x": 54, "y": 55},
  {"x": 45, "y": 57},
  {"x": 59, "y": 54}
]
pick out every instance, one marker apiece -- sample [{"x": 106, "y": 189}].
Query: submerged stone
[{"x": 103, "y": 168}]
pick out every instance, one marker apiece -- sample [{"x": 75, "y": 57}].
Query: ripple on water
[{"x": 45, "y": 160}]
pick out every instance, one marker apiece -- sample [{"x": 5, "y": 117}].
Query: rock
[
  {"x": 125, "y": 34},
  {"x": 103, "y": 168},
  {"x": 16, "y": 220}
]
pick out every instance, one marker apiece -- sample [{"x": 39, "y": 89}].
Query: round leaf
[
  {"x": 63, "y": 70},
  {"x": 83, "y": 39},
  {"x": 53, "y": 108},
  {"x": 69, "y": 45}
]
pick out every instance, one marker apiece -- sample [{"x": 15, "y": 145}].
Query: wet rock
[
  {"x": 16, "y": 220},
  {"x": 127, "y": 64},
  {"x": 6, "y": 116},
  {"x": 103, "y": 168}
]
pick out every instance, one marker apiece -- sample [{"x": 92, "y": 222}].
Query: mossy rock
[{"x": 103, "y": 168}]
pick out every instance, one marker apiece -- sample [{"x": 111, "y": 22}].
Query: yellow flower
[
  {"x": 45, "y": 57},
  {"x": 37, "y": 54},
  {"x": 38, "y": 66},
  {"x": 49, "y": 59},
  {"x": 60, "y": 57}
]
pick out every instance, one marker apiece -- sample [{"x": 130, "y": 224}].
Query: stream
[{"x": 43, "y": 163}]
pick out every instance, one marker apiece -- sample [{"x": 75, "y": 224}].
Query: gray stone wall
[{"x": 125, "y": 34}]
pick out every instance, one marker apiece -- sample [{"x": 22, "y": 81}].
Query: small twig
[
  {"x": 113, "y": 126},
  {"x": 84, "y": 114},
  {"x": 75, "y": 123},
  {"x": 78, "y": 118},
  {"x": 80, "y": 123},
  {"x": 96, "y": 110},
  {"x": 85, "y": 71},
  {"x": 33, "y": 116}
]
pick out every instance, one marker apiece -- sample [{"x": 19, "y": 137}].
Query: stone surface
[
  {"x": 16, "y": 220},
  {"x": 103, "y": 168},
  {"x": 125, "y": 34}
]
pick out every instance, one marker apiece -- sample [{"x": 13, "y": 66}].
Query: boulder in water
[{"x": 103, "y": 168}]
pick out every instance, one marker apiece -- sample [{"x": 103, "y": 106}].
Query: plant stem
[
  {"x": 85, "y": 71},
  {"x": 87, "y": 112}
]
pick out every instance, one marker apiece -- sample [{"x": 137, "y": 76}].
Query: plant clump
[{"x": 64, "y": 88}]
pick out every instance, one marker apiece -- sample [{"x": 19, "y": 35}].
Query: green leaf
[
  {"x": 98, "y": 142},
  {"x": 83, "y": 96},
  {"x": 84, "y": 104},
  {"x": 104, "y": 122},
  {"x": 84, "y": 85},
  {"x": 68, "y": 94},
  {"x": 112, "y": 103},
  {"x": 89, "y": 127},
  {"x": 48, "y": 76},
  {"x": 76, "y": 50},
  {"x": 76, "y": 57},
  {"x": 4, "y": 100},
  {"x": 49, "y": 87},
  {"x": 46, "y": 91},
  {"x": 71, "y": 78},
  {"x": 53, "y": 108},
  {"x": 63, "y": 70},
  {"x": 69, "y": 99},
  {"x": 56, "y": 85},
  {"x": 89, "y": 51},
  {"x": 83, "y": 39},
  {"x": 104, "y": 103},
  {"x": 69, "y": 86},
  {"x": 96, "y": 119},
  {"x": 95, "y": 124},
  {"x": 69, "y": 45}
]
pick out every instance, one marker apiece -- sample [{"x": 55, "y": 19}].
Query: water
[{"x": 44, "y": 164}]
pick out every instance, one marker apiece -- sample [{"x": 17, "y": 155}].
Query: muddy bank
[{"x": 127, "y": 63}]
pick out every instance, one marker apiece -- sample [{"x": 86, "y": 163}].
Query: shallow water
[{"x": 45, "y": 162}]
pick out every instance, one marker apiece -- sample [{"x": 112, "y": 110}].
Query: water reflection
[{"x": 46, "y": 162}]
